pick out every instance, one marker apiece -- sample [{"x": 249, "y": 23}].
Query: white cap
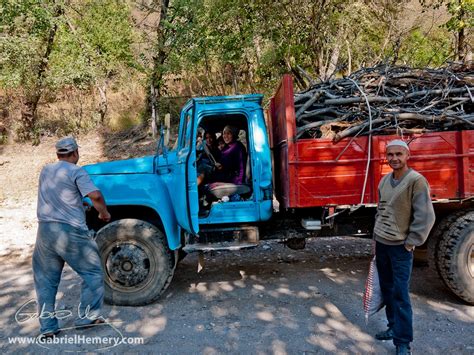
[{"x": 399, "y": 143}]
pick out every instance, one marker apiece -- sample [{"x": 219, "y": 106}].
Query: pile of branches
[{"x": 388, "y": 100}]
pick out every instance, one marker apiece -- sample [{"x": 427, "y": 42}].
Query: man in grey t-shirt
[{"x": 63, "y": 236}]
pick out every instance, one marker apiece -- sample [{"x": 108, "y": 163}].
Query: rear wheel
[
  {"x": 138, "y": 265},
  {"x": 455, "y": 257},
  {"x": 439, "y": 230}
]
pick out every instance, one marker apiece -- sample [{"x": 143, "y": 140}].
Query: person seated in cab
[
  {"x": 208, "y": 157},
  {"x": 220, "y": 143},
  {"x": 233, "y": 159}
]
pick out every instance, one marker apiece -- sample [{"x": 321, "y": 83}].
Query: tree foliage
[
  {"x": 224, "y": 47},
  {"x": 422, "y": 50},
  {"x": 460, "y": 22},
  {"x": 25, "y": 27},
  {"x": 48, "y": 45},
  {"x": 206, "y": 47}
]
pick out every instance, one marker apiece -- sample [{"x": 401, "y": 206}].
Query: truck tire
[
  {"x": 435, "y": 237},
  {"x": 138, "y": 265},
  {"x": 456, "y": 257}
]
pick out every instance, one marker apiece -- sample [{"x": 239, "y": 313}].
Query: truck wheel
[
  {"x": 435, "y": 237},
  {"x": 138, "y": 265},
  {"x": 456, "y": 257}
]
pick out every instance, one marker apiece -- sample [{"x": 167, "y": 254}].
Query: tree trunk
[
  {"x": 30, "y": 105},
  {"x": 154, "y": 119},
  {"x": 235, "y": 86},
  {"x": 461, "y": 50},
  {"x": 461, "y": 47},
  {"x": 349, "y": 58},
  {"x": 161, "y": 55},
  {"x": 332, "y": 65},
  {"x": 103, "y": 104}
]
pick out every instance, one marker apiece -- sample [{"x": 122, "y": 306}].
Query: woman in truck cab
[{"x": 231, "y": 165}]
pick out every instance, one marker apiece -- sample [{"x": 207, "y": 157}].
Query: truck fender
[{"x": 118, "y": 190}]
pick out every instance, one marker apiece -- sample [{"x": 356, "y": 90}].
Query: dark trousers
[{"x": 394, "y": 264}]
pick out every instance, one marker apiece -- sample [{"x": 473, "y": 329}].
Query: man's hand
[
  {"x": 99, "y": 204},
  {"x": 105, "y": 216},
  {"x": 409, "y": 247}
]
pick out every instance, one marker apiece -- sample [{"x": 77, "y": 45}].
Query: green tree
[
  {"x": 51, "y": 45},
  {"x": 95, "y": 47},
  {"x": 29, "y": 30},
  {"x": 421, "y": 49},
  {"x": 461, "y": 22},
  {"x": 223, "y": 46}
]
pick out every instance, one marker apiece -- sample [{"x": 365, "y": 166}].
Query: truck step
[
  {"x": 228, "y": 238},
  {"x": 217, "y": 246},
  {"x": 311, "y": 224}
]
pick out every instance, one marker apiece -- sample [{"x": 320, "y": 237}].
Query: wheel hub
[{"x": 127, "y": 264}]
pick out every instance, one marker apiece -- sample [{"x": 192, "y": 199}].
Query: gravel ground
[{"x": 267, "y": 300}]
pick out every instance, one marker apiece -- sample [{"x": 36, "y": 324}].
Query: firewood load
[{"x": 388, "y": 100}]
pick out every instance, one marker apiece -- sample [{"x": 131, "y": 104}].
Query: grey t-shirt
[{"x": 62, "y": 186}]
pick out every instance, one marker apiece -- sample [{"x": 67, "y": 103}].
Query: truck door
[{"x": 184, "y": 192}]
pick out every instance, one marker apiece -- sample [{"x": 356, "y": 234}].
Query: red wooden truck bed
[{"x": 318, "y": 172}]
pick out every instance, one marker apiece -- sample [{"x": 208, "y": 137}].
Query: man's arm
[
  {"x": 99, "y": 204},
  {"x": 423, "y": 215}
]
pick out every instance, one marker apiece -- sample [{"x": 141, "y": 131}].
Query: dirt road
[{"x": 267, "y": 300}]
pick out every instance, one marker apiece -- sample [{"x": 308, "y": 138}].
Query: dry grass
[
  {"x": 74, "y": 111},
  {"x": 126, "y": 107}
]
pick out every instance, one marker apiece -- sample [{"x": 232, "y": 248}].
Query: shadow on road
[{"x": 272, "y": 300}]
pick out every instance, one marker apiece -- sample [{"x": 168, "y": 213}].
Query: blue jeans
[
  {"x": 394, "y": 264},
  {"x": 57, "y": 243}
]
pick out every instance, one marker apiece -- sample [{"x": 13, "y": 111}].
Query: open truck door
[{"x": 184, "y": 179}]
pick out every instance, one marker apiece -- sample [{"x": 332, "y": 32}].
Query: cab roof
[{"x": 258, "y": 98}]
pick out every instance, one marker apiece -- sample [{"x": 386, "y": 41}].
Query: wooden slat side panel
[{"x": 322, "y": 180}]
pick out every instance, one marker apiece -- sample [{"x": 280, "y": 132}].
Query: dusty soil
[{"x": 269, "y": 299}]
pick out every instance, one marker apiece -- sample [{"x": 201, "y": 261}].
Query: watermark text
[{"x": 77, "y": 339}]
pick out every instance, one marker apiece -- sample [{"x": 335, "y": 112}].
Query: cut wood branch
[{"x": 399, "y": 98}]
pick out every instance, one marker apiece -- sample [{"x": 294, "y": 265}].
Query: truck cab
[
  {"x": 158, "y": 208},
  {"x": 255, "y": 203}
]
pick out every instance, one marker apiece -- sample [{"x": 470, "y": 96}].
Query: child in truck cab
[{"x": 220, "y": 143}]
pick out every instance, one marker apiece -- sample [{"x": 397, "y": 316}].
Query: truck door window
[
  {"x": 189, "y": 129},
  {"x": 185, "y": 138}
]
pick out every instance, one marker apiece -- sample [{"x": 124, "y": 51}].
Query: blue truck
[
  {"x": 155, "y": 207},
  {"x": 157, "y": 215}
]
